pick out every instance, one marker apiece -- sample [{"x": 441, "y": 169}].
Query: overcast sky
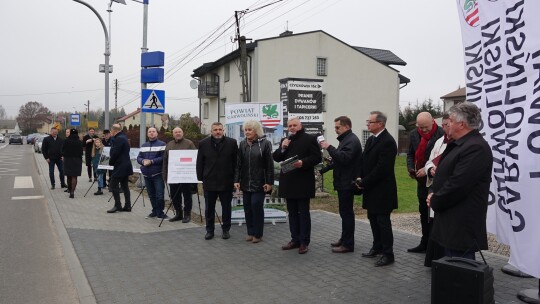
[{"x": 51, "y": 50}]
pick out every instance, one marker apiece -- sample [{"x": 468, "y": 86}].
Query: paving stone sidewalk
[{"x": 129, "y": 259}]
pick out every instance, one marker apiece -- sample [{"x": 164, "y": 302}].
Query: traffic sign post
[
  {"x": 75, "y": 119},
  {"x": 153, "y": 101}
]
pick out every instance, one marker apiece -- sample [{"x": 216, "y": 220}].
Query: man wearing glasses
[
  {"x": 378, "y": 182},
  {"x": 421, "y": 142},
  {"x": 345, "y": 162}
]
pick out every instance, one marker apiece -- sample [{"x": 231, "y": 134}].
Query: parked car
[
  {"x": 2, "y": 139},
  {"x": 30, "y": 138},
  {"x": 38, "y": 142},
  {"x": 15, "y": 139}
]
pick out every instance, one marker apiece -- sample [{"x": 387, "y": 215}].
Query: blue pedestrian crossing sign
[{"x": 153, "y": 101}]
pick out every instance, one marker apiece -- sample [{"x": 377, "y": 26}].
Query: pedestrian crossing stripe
[{"x": 153, "y": 101}]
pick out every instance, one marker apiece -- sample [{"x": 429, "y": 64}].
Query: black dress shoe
[
  {"x": 63, "y": 186},
  {"x": 114, "y": 209},
  {"x": 342, "y": 249},
  {"x": 371, "y": 254},
  {"x": 67, "y": 190},
  {"x": 303, "y": 249},
  {"x": 52, "y": 187},
  {"x": 290, "y": 245},
  {"x": 226, "y": 235},
  {"x": 176, "y": 218},
  {"x": 186, "y": 219},
  {"x": 71, "y": 195},
  {"x": 336, "y": 244},
  {"x": 209, "y": 236},
  {"x": 127, "y": 208},
  {"x": 418, "y": 249},
  {"x": 384, "y": 261}
]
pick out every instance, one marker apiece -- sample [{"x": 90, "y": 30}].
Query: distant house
[
  {"x": 9, "y": 126},
  {"x": 453, "y": 98},
  {"x": 356, "y": 80},
  {"x": 134, "y": 119}
]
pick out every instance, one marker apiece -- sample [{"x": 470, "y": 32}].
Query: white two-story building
[{"x": 356, "y": 80}]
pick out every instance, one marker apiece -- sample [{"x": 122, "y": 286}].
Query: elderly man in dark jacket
[
  {"x": 421, "y": 142},
  {"x": 216, "y": 162},
  {"x": 460, "y": 190},
  {"x": 378, "y": 182},
  {"x": 52, "y": 151},
  {"x": 298, "y": 185},
  {"x": 345, "y": 164},
  {"x": 151, "y": 160},
  {"x": 119, "y": 159}
]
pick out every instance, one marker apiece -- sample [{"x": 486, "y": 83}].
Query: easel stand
[
  {"x": 140, "y": 193},
  {"x": 92, "y": 185},
  {"x": 170, "y": 198}
]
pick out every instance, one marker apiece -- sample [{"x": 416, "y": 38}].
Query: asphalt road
[{"x": 32, "y": 264}]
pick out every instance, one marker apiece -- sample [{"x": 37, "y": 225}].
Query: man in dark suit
[
  {"x": 378, "y": 182},
  {"x": 119, "y": 159},
  {"x": 298, "y": 185},
  {"x": 421, "y": 142},
  {"x": 52, "y": 151},
  {"x": 460, "y": 188},
  {"x": 216, "y": 162},
  {"x": 345, "y": 164}
]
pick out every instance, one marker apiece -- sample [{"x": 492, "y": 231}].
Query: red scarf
[{"x": 419, "y": 158}]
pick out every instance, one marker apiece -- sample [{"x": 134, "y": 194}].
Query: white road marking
[
  {"x": 18, "y": 198},
  {"x": 23, "y": 182}
]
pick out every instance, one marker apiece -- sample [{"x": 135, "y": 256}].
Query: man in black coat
[
  {"x": 88, "y": 143},
  {"x": 378, "y": 182},
  {"x": 216, "y": 162},
  {"x": 345, "y": 164},
  {"x": 421, "y": 142},
  {"x": 298, "y": 185},
  {"x": 120, "y": 160},
  {"x": 460, "y": 188},
  {"x": 52, "y": 151}
]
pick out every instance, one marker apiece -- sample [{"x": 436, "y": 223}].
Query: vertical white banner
[{"x": 501, "y": 40}]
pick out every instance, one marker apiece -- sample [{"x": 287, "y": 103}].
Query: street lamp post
[{"x": 107, "y": 55}]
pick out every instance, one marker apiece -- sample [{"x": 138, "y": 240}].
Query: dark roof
[
  {"x": 385, "y": 57},
  {"x": 209, "y": 66},
  {"x": 382, "y": 56},
  {"x": 457, "y": 93}
]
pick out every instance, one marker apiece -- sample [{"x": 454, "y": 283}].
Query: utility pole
[
  {"x": 243, "y": 58},
  {"x": 115, "y": 99}
]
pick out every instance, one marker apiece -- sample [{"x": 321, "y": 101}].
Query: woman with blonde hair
[
  {"x": 254, "y": 175},
  {"x": 97, "y": 149}
]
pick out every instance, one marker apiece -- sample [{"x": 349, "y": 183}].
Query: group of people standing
[
  {"x": 66, "y": 154},
  {"x": 452, "y": 166}
]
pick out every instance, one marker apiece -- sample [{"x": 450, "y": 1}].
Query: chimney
[{"x": 286, "y": 33}]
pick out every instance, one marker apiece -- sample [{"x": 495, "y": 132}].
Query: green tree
[
  {"x": 190, "y": 128},
  {"x": 407, "y": 116}
]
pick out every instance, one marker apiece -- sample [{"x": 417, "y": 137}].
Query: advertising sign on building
[
  {"x": 303, "y": 98},
  {"x": 270, "y": 115}
]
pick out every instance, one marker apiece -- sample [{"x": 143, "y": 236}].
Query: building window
[
  {"x": 365, "y": 135},
  {"x": 227, "y": 73},
  {"x": 206, "y": 110},
  {"x": 324, "y": 102},
  {"x": 321, "y": 66},
  {"x": 222, "y": 107}
]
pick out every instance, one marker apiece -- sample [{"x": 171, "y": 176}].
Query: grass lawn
[{"x": 407, "y": 200}]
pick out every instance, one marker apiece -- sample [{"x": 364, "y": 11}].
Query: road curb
[{"x": 82, "y": 287}]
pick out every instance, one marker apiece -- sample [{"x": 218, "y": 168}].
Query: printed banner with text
[{"x": 501, "y": 40}]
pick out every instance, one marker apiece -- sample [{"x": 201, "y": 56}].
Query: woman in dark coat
[
  {"x": 72, "y": 152},
  {"x": 254, "y": 176}
]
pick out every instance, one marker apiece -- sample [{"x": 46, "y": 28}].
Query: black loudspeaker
[{"x": 461, "y": 281}]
